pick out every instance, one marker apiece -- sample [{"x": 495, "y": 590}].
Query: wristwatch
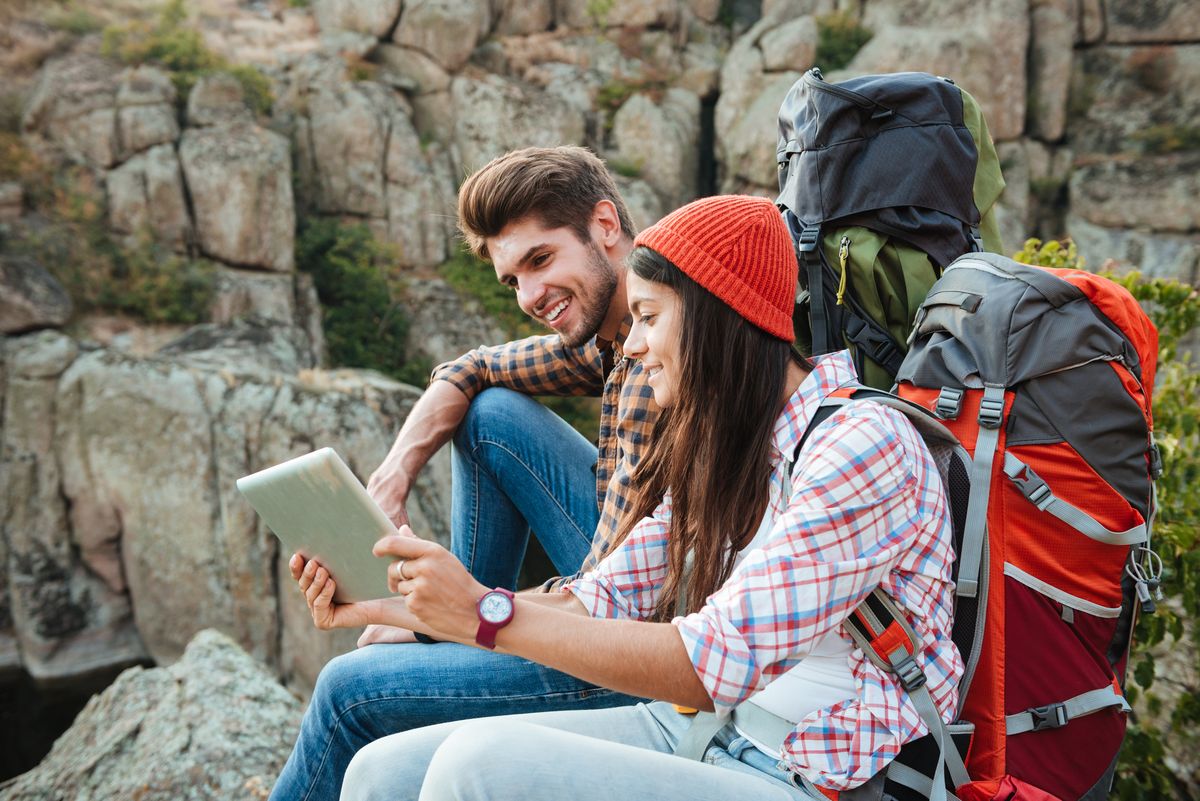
[{"x": 495, "y": 610}]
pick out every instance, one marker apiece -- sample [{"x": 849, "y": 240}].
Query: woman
[{"x": 736, "y": 569}]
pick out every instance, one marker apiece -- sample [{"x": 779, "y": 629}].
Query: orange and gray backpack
[{"x": 1045, "y": 376}]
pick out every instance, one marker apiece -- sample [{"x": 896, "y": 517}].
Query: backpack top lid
[{"x": 891, "y": 152}]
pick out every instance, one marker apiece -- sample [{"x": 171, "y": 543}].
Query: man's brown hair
[{"x": 560, "y": 186}]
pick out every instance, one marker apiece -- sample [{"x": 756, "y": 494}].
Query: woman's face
[{"x": 654, "y": 337}]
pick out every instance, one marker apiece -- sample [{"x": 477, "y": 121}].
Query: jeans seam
[{"x": 537, "y": 479}]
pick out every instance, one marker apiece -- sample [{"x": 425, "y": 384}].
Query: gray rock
[
  {"x": 72, "y": 109},
  {"x": 707, "y": 10},
  {"x": 584, "y": 15},
  {"x": 348, "y": 134},
  {"x": 1091, "y": 22},
  {"x": 530, "y": 119},
  {"x": 240, "y": 180},
  {"x": 1053, "y": 26},
  {"x": 145, "y": 111},
  {"x": 30, "y": 297},
  {"x": 1133, "y": 99},
  {"x": 747, "y": 147},
  {"x": 791, "y": 46},
  {"x": 643, "y": 203},
  {"x": 253, "y": 293},
  {"x": 421, "y": 202},
  {"x": 1156, "y": 255},
  {"x": 443, "y": 324},
  {"x": 12, "y": 201},
  {"x": 70, "y": 611},
  {"x": 348, "y": 44},
  {"x": 1014, "y": 210},
  {"x": 424, "y": 74},
  {"x": 983, "y": 51},
  {"x": 700, "y": 68},
  {"x": 661, "y": 140},
  {"x": 445, "y": 30},
  {"x": 145, "y": 194},
  {"x": 523, "y": 17},
  {"x": 215, "y": 725},
  {"x": 373, "y": 17},
  {"x": 1155, "y": 193},
  {"x": 1129, "y": 21},
  {"x": 216, "y": 99}
]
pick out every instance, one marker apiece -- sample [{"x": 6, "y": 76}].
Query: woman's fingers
[{"x": 316, "y": 586}]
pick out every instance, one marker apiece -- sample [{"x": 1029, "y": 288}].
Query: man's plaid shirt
[{"x": 542, "y": 365}]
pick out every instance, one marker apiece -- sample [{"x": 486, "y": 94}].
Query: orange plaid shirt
[{"x": 542, "y": 365}]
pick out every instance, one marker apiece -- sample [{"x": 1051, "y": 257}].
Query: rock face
[
  {"x": 240, "y": 180},
  {"x": 494, "y": 115},
  {"x": 72, "y": 109},
  {"x": 125, "y": 533},
  {"x": 216, "y": 724},
  {"x": 30, "y": 297},
  {"x": 145, "y": 195}
]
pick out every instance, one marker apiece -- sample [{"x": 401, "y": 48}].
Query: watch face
[{"x": 495, "y": 607}]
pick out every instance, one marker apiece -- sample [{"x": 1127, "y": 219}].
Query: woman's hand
[
  {"x": 318, "y": 588},
  {"x": 434, "y": 584}
]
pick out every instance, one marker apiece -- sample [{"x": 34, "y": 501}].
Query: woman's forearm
[{"x": 633, "y": 657}]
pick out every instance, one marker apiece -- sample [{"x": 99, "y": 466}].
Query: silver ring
[{"x": 400, "y": 569}]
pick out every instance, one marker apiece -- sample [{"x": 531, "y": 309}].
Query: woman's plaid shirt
[
  {"x": 543, "y": 366},
  {"x": 864, "y": 507}
]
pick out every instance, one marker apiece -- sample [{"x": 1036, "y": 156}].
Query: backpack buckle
[
  {"x": 809, "y": 237},
  {"x": 1156, "y": 461},
  {"x": 991, "y": 407},
  {"x": 1051, "y": 716},
  {"x": 910, "y": 674},
  {"x": 949, "y": 403}
]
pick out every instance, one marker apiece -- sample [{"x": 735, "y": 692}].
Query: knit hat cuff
[{"x": 717, "y": 279}]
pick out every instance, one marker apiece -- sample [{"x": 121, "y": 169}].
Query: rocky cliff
[{"x": 122, "y": 532}]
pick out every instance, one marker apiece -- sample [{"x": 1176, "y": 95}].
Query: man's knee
[{"x": 494, "y": 412}]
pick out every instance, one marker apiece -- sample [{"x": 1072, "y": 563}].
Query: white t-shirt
[{"x": 820, "y": 680}]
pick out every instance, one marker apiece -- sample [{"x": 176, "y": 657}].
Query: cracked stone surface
[{"x": 216, "y": 724}]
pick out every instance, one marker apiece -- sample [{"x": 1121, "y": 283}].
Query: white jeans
[{"x": 619, "y": 754}]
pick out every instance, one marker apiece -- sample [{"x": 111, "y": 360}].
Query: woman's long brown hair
[{"x": 711, "y": 448}]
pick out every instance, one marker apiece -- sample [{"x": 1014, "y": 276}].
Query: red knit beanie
[{"x": 738, "y": 248}]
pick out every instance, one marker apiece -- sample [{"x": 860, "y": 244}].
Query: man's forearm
[{"x": 429, "y": 425}]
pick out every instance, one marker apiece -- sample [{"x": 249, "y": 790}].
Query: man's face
[{"x": 559, "y": 281}]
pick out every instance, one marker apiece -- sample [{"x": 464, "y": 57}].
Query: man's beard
[{"x": 602, "y": 283}]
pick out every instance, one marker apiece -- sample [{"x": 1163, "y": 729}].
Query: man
[{"x": 556, "y": 230}]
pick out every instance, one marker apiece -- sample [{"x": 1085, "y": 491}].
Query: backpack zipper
[{"x": 843, "y": 257}]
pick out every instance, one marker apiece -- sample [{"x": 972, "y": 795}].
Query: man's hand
[
  {"x": 388, "y": 487},
  {"x": 429, "y": 425},
  {"x": 434, "y": 584}
]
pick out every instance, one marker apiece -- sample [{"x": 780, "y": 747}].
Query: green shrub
[
  {"x": 134, "y": 276},
  {"x": 363, "y": 324},
  {"x": 1175, "y": 310},
  {"x": 839, "y": 38},
  {"x": 75, "y": 21},
  {"x": 179, "y": 49},
  {"x": 1158, "y": 139}
]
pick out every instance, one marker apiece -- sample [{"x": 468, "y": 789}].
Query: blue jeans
[{"x": 517, "y": 465}]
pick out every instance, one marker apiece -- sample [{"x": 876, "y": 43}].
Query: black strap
[{"x": 808, "y": 249}]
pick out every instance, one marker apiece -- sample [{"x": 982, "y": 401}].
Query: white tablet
[{"x": 317, "y": 508}]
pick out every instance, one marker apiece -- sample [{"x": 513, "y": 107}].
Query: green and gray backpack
[{"x": 884, "y": 180}]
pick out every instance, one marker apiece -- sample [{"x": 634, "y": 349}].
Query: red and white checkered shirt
[{"x": 864, "y": 507}]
